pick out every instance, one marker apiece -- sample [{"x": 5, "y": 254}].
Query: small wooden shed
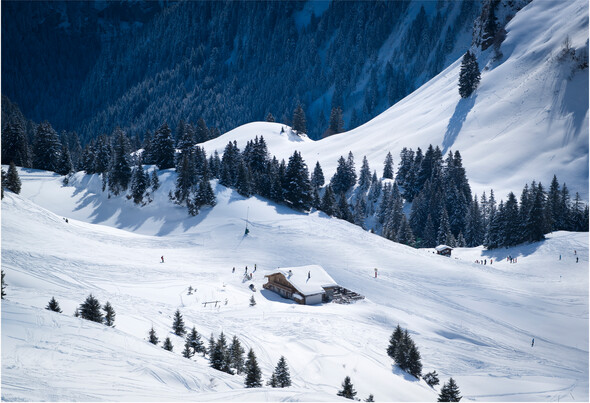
[
  {"x": 306, "y": 285},
  {"x": 443, "y": 250}
]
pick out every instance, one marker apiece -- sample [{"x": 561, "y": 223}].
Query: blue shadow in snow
[{"x": 462, "y": 109}]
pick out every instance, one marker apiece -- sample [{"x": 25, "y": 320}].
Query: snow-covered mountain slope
[
  {"x": 528, "y": 120},
  {"x": 469, "y": 321}
]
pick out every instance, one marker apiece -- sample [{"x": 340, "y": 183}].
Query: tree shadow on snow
[
  {"x": 522, "y": 250},
  {"x": 456, "y": 121},
  {"x": 400, "y": 372}
]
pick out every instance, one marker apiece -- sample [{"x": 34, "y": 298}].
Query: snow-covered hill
[
  {"x": 528, "y": 120},
  {"x": 470, "y": 321}
]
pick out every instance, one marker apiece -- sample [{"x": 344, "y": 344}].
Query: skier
[
  {"x": 162, "y": 259},
  {"x": 576, "y": 259},
  {"x": 375, "y": 272},
  {"x": 560, "y": 257},
  {"x": 233, "y": 270},
  {"x": 308, "y": 275},
  {"x": 491, "y": 261},
  {"x": 533, "y": 342},
  {"x": 246, "y": 270},
  {"x": 254, "y": 268}
]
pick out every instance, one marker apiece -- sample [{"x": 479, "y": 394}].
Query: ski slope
[
  {"x": 528, "y": 119},
  {"x": 469, "y": 321}
]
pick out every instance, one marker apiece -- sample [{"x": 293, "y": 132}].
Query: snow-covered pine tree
[
  {"x": 188, "y": 351},
  {"x": 269, "y": 117},
  {"x": 328, "y": 203},
  {"x": 336, "y": 121},
  {"x": 154, "y": 181},
  {"x": 388, "y": 167},
  {"x": 252, "y": 301},
  {"x": 317, "y": 177},
  {"x": 342, "y": 179},
  {"x": 236, "y": 354},
  {"x": 53, "y": 305},
  {"x": 431, "y": 378},
  {"x": 120, "y": 172},
  {"x": 297, "y": 190},
  {"x": 469, "y": 75},
  {"x": 167, "y": 344},
  {"x": 12, "y": 181},
  {"x": 178, "y": 324},
  {"x": 139, "y": 183},
  {"x": 186, "y": 176},
  {"x": 449, "y": 392},
  {"x": 365, "y": 175},
  {"x": 46, "y": 148},
  {"x": 195, "y": 341},
  {"x": 64, "y": 165},
  {"x": 281, "y": 374},
  {"x": 253, "y": 374},
  {"x": 109, "y": 314},
  {"x": 162, "y": 148},
  {"x": 414, "y": 361},
  {"x": 299, "y": 121},
  {"x": 444, "y": 229},
  {"x": 90, "y": 309},
  {"x": 394, "y": 341},
  {"x": 404, "y": 234},
  {"x": 15, "y": 146},
  {"x": 244, "y": 180},
  {"x": 347, "y": 390},
  {"x": 152, "y": 338},
  {"x": 202, "y": 132}
]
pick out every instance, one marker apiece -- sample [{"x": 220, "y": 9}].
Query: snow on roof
[
  {"x": 318, "y": 278},
  {"x": 442, "y": 247}
]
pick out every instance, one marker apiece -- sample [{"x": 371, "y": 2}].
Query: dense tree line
[{"x": 222, "y": 65}]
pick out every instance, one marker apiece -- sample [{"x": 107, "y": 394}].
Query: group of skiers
[
  {"x": 485, "y": 261},
  {"x": 511, "y": 259}
]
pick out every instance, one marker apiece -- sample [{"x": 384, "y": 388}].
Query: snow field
[{"x": 469, "y": 321}]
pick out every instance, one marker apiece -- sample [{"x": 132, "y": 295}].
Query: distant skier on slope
[
  {"x": 162, "y": 259},
  {"x": 533, "y": 342}
]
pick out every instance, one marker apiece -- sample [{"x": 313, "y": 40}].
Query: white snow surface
[
  {"x": 528, "y": 119},
  {"x": 308, "y": 280},
  {"x": 469, "y": 321}
]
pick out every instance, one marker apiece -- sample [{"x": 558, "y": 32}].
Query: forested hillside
[{"x": 227, "y": 62}]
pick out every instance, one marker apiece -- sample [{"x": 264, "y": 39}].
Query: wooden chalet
[
  {"x": 443, "y": 250},
  {"x": 308, "y": 285}
]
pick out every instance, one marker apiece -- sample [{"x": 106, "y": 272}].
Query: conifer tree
[
  {"x": 120, "y": 172},
  {"x": 139, "y": 183},
  {"x": 236, "y": 354},
  {"x": 317, "y": 177},
  {"x": 431, "y": 378},
  {"x": 388, "y": 167},
  {"x": 328, "y": 203},
  {"x": 154, "y": 181},
  {"x": 297, "y": 190},
  {"x": 188, "y": 351},
  {"x": 281, "y": 374},
  {"x": 90, "y": 309},
  {"x": 109, "y": 314},
  {"x": 370, "y": 398},
  {"x": 202, "y": 132},
  {"x": 336, "y": 121},
  {"x": 253, "y": 374},
  {"x": 3, "y": 183},
  {"x": 269, "y": 117},
  {"x": 46, "y": 148},
  {"x": 162, "y": 148},
  {"x": 347, "y": 390},
  {"x": 469, "y": 75},
  {"x": 53, "y": 305},
  {"x": 152, "y": 338},
  {"x": 195, "y": 341},
  {"x": 299, "y": 121},
  {"x": 449, "y": 392},
  {"x": 342, "y": 179},
  {"x": 211, "y": 346},
  {"x": 394, "y": 341},
  {"x": 12, "y": 181},
  {"x": 186, "y": 177},
  {"x": 365, "y": 175},
  {"x": 178, "y": 324},
  {"x": 64, "y": 165},
  {"x": 167, "y": 344},
  {"x": 252, "y": 301},
  {"x": 444, "y": 229},
  {"x": 15, "y": 146}
]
